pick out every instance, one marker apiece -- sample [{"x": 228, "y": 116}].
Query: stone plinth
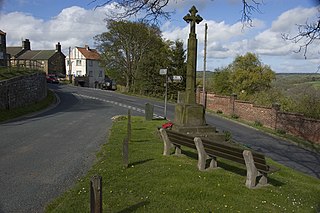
[{"x": 190, "y": 115}]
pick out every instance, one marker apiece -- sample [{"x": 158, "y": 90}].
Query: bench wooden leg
[
  {"x": 166, "y": 142},
  {"x": 252, "y": 171},
  {"x": 202, "y": 155}
]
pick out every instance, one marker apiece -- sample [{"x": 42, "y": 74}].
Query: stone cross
[{"x": 192, "y": 18}]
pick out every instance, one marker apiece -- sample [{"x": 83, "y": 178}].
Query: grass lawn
[
  {"x": 11, "y": 72},
  {"x": 14, "y": 113},
  {"x": 157, "y": 183}
]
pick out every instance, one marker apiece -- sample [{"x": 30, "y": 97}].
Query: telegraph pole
[
  {"x": 70, "y": 65},
  {"x": 204, "y": 66}
]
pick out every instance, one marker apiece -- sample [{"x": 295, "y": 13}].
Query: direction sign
[
  {"x": 177, "y": 78},
  {"x": 163, "y": 71}
]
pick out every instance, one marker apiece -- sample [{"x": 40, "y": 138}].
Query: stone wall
[
  {"x": 272, "y": 117},
  {"x": 22, "y": 90}
]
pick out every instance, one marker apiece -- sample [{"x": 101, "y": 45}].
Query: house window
[
  {"x": 78, "y": 73},
  {"x": 90, "y": 74},
  {"x": 78, "y": 62},
  {"x": 90, "y": 63},
  {"x": 100, "y": 73}
]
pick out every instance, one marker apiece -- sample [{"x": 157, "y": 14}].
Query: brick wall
[
  {"x": 292, "y": 123},
  {"x": 23, "y": 90}
]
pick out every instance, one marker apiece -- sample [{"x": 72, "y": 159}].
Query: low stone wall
[
  {"x": 292, "y": 123},
  {"x": 22, "y": 90}
]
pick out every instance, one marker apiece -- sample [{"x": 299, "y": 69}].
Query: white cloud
[{"x": 73, "y": 26}]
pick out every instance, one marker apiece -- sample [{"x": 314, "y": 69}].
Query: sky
[{"x": 76, "y": 22}]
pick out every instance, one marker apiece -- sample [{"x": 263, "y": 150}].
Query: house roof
[
  {"x": 13, "y": 51},
  {"x": 2, "y": 33},
  {"x": 88, "y": 53},
  {"x": 37, "y": 55}
]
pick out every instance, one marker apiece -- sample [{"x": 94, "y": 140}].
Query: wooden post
[
  {"x": 125, "y": 147},
  {"x": 129, "y": 126},
  {"x": 96, "y": 194},
  {"x": 125, "y": 152}
]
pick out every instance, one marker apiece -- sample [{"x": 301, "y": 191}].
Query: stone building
[
  {"x": 3, "y": 52},
  {"x": 49, "y": 61}
]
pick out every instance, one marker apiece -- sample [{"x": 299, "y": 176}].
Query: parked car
[
  {"x": 109, "y": 84},
  {"x": 51, "y": 78}
]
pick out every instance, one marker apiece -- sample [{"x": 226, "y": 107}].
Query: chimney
[
  {"x": 26, "y": 44},
  {"x": 58, "y": 47},
  {"x": 87, "y": 47}
]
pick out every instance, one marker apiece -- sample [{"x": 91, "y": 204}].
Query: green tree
[
  {"x": 249, "y": 75},
  {"x": 177, "y": 67},
  {"x": 221, "y": 81},
  {"x": 124, "y": 46},
  {"x": 149, "y": 82},
  {"x": 245, "y": 76}
]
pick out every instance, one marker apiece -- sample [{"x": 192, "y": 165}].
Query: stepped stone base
[{"x": 190, "y": 119}]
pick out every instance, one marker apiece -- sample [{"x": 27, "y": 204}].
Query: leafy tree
[
  {"x": 177, "y": 67},
  {"x": 221, "y": 81},
  {"x": 304, "y": 99},
  {"x": 124, "y": 45},
  {"x": 249, "y": 75},
  {"x": 245, "y": 76},
  {"x": 149, "y": 82}
]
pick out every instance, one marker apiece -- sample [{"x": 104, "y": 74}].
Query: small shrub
[
  {"x": 258, "y": 124},
  {"x": 281, "y": 131},
  {"x": 219, "y": 112},
  {"x": 228, "y": 135},
  {"x": 234, "y": 116}
]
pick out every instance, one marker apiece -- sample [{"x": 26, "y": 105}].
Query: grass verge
[
  {"x": 11, "y": 72},
  {"x": 14, "y": 113},
  {"x": 157, "y": 183}
]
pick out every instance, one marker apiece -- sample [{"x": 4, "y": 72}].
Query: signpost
[
  {"x": 165, "y": 72},
  {"x": 177, "y": 78}
]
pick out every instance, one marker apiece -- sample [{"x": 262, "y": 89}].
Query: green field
[{"x": 157, "y": 183}]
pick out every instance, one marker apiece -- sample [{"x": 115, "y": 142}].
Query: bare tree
[
  {"x": 307, "y": 34},
  {"x": 248, "y": 8},
  {"x": 154, "y": 9}
]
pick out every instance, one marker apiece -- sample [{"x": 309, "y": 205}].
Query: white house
[{"x": 86, "y": 62}]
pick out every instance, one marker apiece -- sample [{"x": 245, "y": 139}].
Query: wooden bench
[{"x": 255, "y": 162}]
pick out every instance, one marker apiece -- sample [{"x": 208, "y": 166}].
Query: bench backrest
[
  {"x": 217, "y": 149},
  {"x": 233, "y": 153},
  {"x": 180, "y": 139}
]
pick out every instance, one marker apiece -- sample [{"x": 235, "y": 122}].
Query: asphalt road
[{"x": 43, "y": 155}]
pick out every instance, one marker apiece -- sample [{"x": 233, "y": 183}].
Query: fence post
[
  {"x": 125, "y": 146},
  {"x": 129, "y": 126},
  {"x": 275, "y": 110},
  {"x": 96, "y": 194},
  {"x": 233, "y": 99},
  {"x": 149, "y": 112}
]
